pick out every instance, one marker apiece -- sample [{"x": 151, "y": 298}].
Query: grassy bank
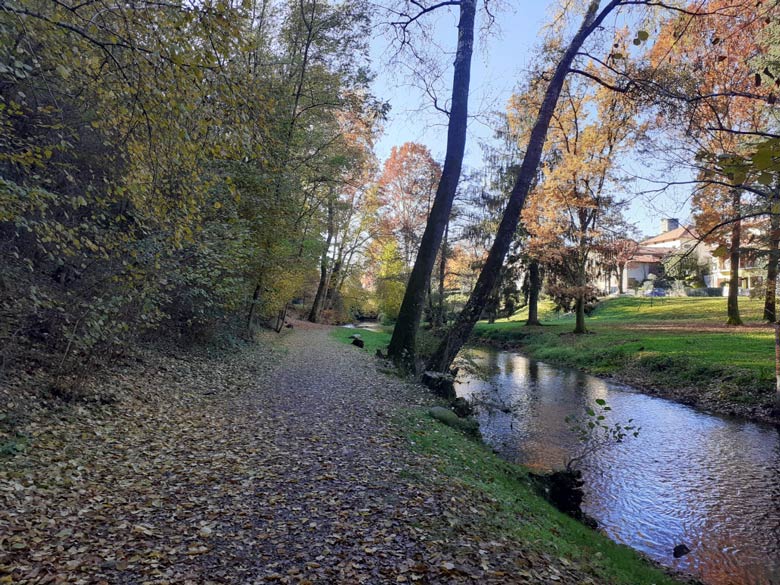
[
  {"x": 373, "y": 340},
  {"x": 505, "y": 506},
  {"x": 501, "y": 504},
  {"x": 680, "y": 345}
]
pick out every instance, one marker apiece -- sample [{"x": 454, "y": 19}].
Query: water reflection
[{"x": 706, "y": 481}]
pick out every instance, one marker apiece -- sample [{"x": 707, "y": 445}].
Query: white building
[{"x": 648, "y": 257}]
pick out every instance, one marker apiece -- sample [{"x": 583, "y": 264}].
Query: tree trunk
[
  {"x": 431, "y": 309},
  {"x": 534, "y": 286},
  {"x": 250, "y": 317},
  {"x": 450, "y": 345},
  {"x": 333, "y": 286},
  {"x": 620, "y": 270},
  {"x": 322, "y": 288},
  {"x": 734, "y": 253},
  {"x": 402, "y": 344},
  {"x": 777, "y": 366},
  {"x": 579, "y": 310},
  {"x": 442, "y": 275},
  {"x": 770, "y": 300}
]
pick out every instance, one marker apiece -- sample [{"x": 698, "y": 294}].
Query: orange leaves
[
  {"x": 406, "y": 191},
  {"x": 589, "y": 130}
]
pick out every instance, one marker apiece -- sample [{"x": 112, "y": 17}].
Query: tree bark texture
[
  {"x": 322, "y": 287},
  {"x": 534, "y": 286},
  {"x": 579, "y": 311},
  {"x": 770, "y": 298},
  {"x": 461, "y": 329},
  {"x": 777, "y": 366},
  {"x": 440, "y": 320},
  {"x": 734, "y": 254},
  {"x": 402, "y": 344}
]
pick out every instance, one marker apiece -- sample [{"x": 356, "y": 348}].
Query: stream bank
[
  {"x": 722, "y": 390},
  {"x": 688, "y": 480}
]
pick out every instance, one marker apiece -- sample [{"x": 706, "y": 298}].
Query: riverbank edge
[
  {"x": 518, "y": 512},
  {"x": 707, "y": 398}
]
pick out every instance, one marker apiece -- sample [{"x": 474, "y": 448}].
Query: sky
[{"x": 499, "y": 60}]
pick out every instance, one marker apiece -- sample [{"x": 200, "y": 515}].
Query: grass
[
  {"x": 669, "y": 342},
  {"x": 374, "y": 340},
  {"x": 521, "y": 515}
]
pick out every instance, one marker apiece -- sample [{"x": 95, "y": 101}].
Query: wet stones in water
[
  {"x": 442, "y": 384},
  {"x": 680, "y": 551},
  {"x": 462, "y": 407}
]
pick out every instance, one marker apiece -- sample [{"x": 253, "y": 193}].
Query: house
[
  {"x": 752, "y": 268},
  {"x": 676, "y": 238},
  {"x": 648, "y": 257}
]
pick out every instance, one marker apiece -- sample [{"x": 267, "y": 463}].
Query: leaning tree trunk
[
  {"x": 734, "y": 253},
  {"x": 251, "y": 315},
  {"x": 770, "y": 300},
  {"x": 402, "y": 344},
  {"x": 322, "y": 288},
  {"x": 534, "y": 286},
  {"x": 461, "y": 329},
  {"x": 442, "y": 275}
]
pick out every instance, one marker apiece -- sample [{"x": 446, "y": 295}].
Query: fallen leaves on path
[{"x": 263, "y": 466}]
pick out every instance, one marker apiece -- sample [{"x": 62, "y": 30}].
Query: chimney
[{"x": 668, "y": 224}]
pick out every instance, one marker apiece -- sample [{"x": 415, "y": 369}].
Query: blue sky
[{"x": 500, "y": 58}]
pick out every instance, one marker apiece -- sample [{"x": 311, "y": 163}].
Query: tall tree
[
  {"x": 403, "y": 342},
  {"x": 592, "y": 20},
  {"x": 406, "y": 190},
  {"x": 709, "y": 51},
  {"x": 575, "y": 202}
]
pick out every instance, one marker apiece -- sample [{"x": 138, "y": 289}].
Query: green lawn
[{"x": 672, "y": 342}]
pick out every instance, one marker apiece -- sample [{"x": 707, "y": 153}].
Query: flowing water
[{"x": 709, "y": 482}]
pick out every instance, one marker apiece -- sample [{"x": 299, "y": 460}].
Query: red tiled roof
[{"x": 675, "y": 234}]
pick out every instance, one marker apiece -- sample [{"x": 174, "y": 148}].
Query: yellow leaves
[
  {"x": 144, "y": 529},
  {"x": 197, "y": 549}
]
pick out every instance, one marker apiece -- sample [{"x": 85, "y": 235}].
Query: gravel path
[{"x": 284, "y": 467}]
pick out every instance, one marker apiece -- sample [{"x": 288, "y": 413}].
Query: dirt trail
[{"x": 281, "y": 466}]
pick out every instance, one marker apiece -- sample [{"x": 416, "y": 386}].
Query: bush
[
  {"x": 565, "y": 297},
  {"x": 704, "y": 292}
]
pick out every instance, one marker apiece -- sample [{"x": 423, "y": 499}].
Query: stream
[{"x": 709, "y": 482}]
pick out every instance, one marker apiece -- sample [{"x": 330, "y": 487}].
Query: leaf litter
[{"x": 276, "y": 464}]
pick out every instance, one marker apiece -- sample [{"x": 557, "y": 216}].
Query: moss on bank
[{"x": 518, "y": 513}]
